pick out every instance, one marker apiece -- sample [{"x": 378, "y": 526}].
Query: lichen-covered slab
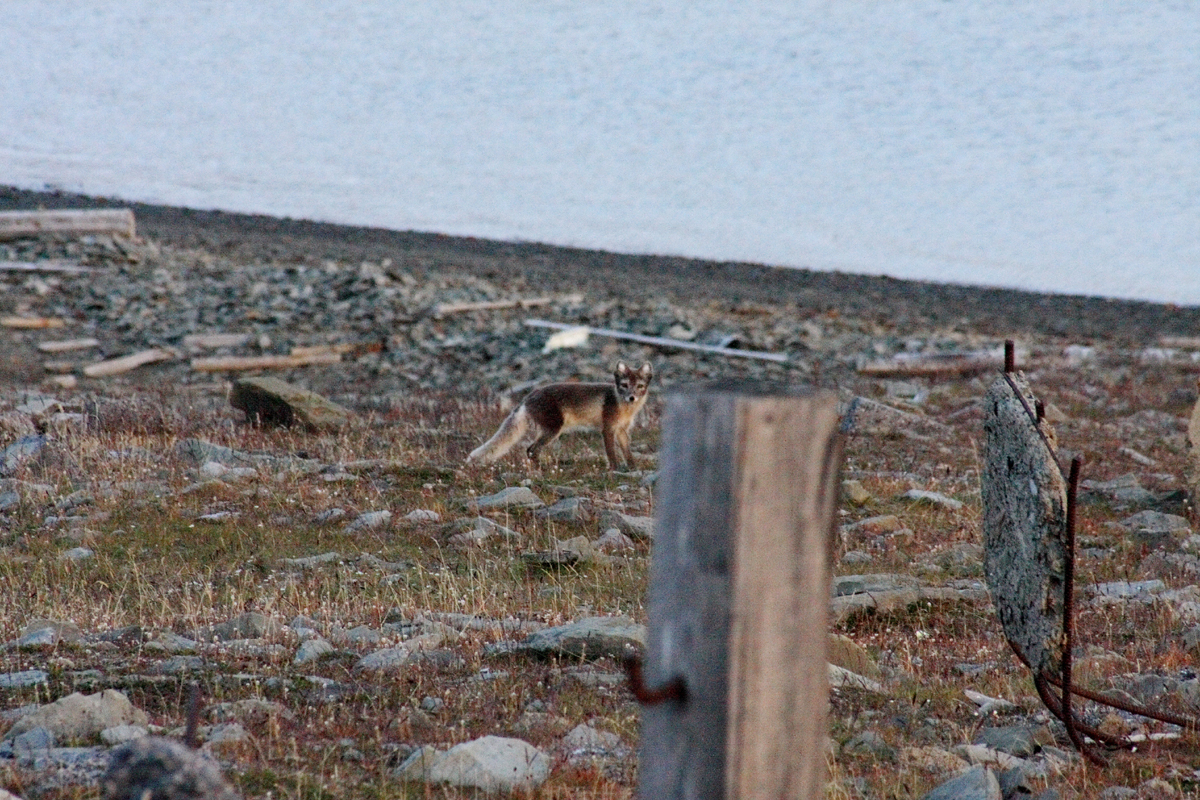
[
  {"x": 1192, "y": 474},
  {"x": 1024, "y": 525}
]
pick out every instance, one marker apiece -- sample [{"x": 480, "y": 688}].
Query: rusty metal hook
[{"x": 674, "y": 689}]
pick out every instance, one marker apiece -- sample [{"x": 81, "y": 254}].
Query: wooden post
[{"x": 739, "y": 594}]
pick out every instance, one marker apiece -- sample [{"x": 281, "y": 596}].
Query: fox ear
[
  {"x": 646, "y": 369},
  {"x": 622, "y": 368}
]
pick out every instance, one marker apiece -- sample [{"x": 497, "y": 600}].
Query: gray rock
[
  {"x": 311, "y": 650},
  {"x": 309, "y": 562},
  {"x": 594, "y": 637},
  {"x": 977, "y": 783},
  {"x": 249, "y": 625},
  {"x": 512, "y": 497},
  {"x": 369, "y": 521},
  {"x": 637, "y": 528},
  {"x": 932, "y": 498},
  {"x": 1125, "y": 590},
  {"x": 423, "y": 515},
  {"x": 152, "y": 768},
  {"x": 571, "y": 509},
  {"x": 79, "y": 716},
  {"x": 492, "y": 763},
  {"x": 170, "y": 642},
  {"x": 1017, "y": 740},
  {"x": 23, "y": 679},
  {"x": 49, "y": 633},
  {"x": 177, "y": 665},
  {"x": 20, "y": 453},
  {"x": 585, "y": 743},
  {"x": 613, "y": 541},
  {"x": 478, "y": 530},
  {"x": 33, "y": 742},
  {"x": 121, "y": 734},
  {"x": 872, "y": 583},
  {"x": 271, "y": 402},
  {"x": 329, "y": 515},
  {"x": 869, "y": 743},
  {"x": 77, "y": 554}
]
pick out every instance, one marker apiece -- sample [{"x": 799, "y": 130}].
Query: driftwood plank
[
  {"x": 242, "y": 363},
  {"x": 933, "y": 365},
  {"x": 67, "y": 345},
  {"x": 16, "y": 224},
  {"x": 660, "y": 341},
  {"x": 31, "y": 323},
  {"x": 739, "y": 594},
  {"x": 442, "y": 309},
  {"x": 204, "y": 341},
  {"x": 115, "y": 366},
  {"x": 58, "y": 267}
]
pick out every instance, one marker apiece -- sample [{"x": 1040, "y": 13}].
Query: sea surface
[{"x": 1045, "y": 146}]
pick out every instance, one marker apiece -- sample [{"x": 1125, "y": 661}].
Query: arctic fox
[{"x": 562, "y": 406}]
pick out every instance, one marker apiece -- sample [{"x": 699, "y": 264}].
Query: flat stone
[
  {"x": 844, "y": 652},
  {"x": 512, "y": 497},
  {"x": 571, "y": 509},
  {"x": 371, "y": 520},
  {"x": 854, "y": 493},
  {"x": 594, "y": 637},
  {"x": 873, "y": 526},
  {"x": 423, "y": 515},
  {"x": 21, "y": 452},
  {"x": 977, "y": 783},
  {"x": 78, "y": 716},
  {"x": 312, "y": 650},
  {"x": 23, "y": 679},
  {"x": 636, "y": 528},
  {"x": 120, "y": 734},
  {"x": 1017, "y": 740},
  {"x": 613, "y": 541},
  {"x": 49, "y": 633},
  {"x": 310, "y": 562},
  {"x": 249, "y": 625},
  {"x": 272, "y": 402},
  {"x": 932, "y": 498},
  {"x": 491, "y": 763}
]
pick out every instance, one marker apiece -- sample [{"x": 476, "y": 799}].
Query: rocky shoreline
[{"x": 407, "y": 592}]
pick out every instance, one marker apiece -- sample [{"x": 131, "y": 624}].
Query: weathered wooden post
[{"x": 739, "y": 594}]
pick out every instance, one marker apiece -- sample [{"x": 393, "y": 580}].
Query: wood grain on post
[
  {"x": 739, "y": 594},
  {"x": 15, "y": 224}
]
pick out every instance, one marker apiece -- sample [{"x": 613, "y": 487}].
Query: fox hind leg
[{"x": 547, "y": 437}]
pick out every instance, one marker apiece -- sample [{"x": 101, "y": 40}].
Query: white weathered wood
[
  {"x": 739, "y": 595},
  {"x": 659, "y": 341},
  {"x": 443, "y": 309},
  {"x": 242, "y": 363},
  {"x": 15, "y": 224},
  {"x": 67, "y": 345},
  {"x": 304, "y": 351},
  {"x": 204, "y": 341},
  {"x": 932, "y": 365},
  {"x": 58, "y": 267},
  {"x": 115, "y": 366},
  {"x": 31, "y": 323}
]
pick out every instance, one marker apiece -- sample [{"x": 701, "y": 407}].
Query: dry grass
[{"x": 157, "y": 567}]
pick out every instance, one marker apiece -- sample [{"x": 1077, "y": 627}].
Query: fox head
[{"x": 632, "y": 384}]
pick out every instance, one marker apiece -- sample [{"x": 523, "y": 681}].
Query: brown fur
[{"x": 559, "y": 407}]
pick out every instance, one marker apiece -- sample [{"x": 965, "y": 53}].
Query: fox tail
[{"x": 510, "y": 432}]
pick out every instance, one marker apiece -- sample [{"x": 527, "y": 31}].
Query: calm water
[{"x": 1044, "y": 146}]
